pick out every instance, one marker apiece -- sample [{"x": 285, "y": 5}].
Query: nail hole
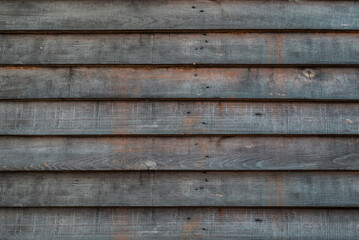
[
  {"x": 193, "y": 7},
  {"x": 204, "y": 123},
  {"x": 258, "y": 114},
  {"x": 258, "y": 220},
  {"x": 201, "y": 11}
]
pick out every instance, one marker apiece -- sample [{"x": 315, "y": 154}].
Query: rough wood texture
[
  {"x": 177, "y": 15},
  {"x": 186, "y": 117},
  {"x": 178, "y": 153},
  {"x": 179, "y": 83},
  {"x": 215, "y": 48},
  {"x": 177, "y": 223},
  {"x": 239, "y": 189}
]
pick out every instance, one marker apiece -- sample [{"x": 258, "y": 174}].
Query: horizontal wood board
[
  {"x": 182, "y": 117},
  {"x": 45, "y": 15},
  {"x": 179, "y": 189},
  {"x": 178, "y": 153},
  {"x": 177, "y": 48},
  {"x": 133, "y": 143},
  {"x": 178, "y": 223},
  {"x": 179, "y": 83}
]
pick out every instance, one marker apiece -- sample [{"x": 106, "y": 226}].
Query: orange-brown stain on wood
[
  {"x": 191, "y": 120},
  {"x": 280, "y": 182},
  {"x": 119, "y": 231},
  {"x": 275, "y": 48},
  {"x": 119, "y": 76},
  {"x": 280, "y": 52},
  {"x": 187, "y": 75},
  {"x": 281, "y": 79},
  {"x": 119, "y": 147},
  {"x": 191, "y": 228},
  {"x": 270, "y": 191},
  {"x": 119, "y": 125},
  {"x": 220, "y": 212},
  {"x": 269, "y": 42},
  {"x": 221, "y": 109}
]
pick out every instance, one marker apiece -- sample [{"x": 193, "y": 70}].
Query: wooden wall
[{"x": 179, "y": 119}]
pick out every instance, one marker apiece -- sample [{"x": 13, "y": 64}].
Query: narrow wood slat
[
  {"x": 177, "y": 223},
  {"x": 179, "y": 83},
  {"x": 177, "y": 15},
  {"x": 215, "y": 48},
  {"x": 240, "y": 189},
  {"x": 178, "y": 153},
  {"x": 186, "y": 117}
]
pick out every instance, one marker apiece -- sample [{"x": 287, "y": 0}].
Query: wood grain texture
[
  {"x": 177, "y": 15},
  {"x": 237, "y": 189},
  {"x": 186, "y": 117},
  {"x": 177, "y": 223},
  {"x": 179, "y": 83},
  {"x": 214, "y": 48},
  {"x": 178, "y": 153}
]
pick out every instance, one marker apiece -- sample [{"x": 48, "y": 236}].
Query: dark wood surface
[
  {"x": 179, "y": 83},
  {"x": 178, "y": 153},
  {"x": 194, "y": 48},
  {"x": 35, "y": 15},
  {"x": 178, "y": 223},
  {"x": 182, "y": 117},
  {"x": 179, "y": 119},
  {"x": 179, "y": 189}
]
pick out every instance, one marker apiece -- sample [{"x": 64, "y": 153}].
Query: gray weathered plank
[
  {"x": 214, "y": 48},
  {"x": 177, "y": 15},
  {"x": 178, "y": 223},
  {"x": 178, "y": 153},
  {"x": 183, "y": 117},
  {"x": 179, "y": 83},
  {"x": 262, "y": 189}
]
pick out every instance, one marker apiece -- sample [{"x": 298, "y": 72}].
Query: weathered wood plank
[
  {"x": 177, "y": 223},
  {"x": 215, "y": 48},
  {"x": 183, "y": 117},
  {"x": 179, "y": 83},
  {"x": 262, "y": 189},
  {"x": 177, "y": 15},
  {"x": 178, "y": 153}
]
